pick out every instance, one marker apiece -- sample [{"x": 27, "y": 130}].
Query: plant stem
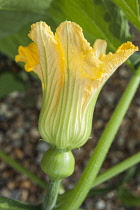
[
  {"x": 130, "y": 65},
  {"x": 18, "y": 167},
  {"x": 87, "y": 178},
  {"x": 105, "y": 176},
  {"x": 115, "y": 170},
  {"x": 51, "y": 195},
  {"x": 9, "y": 204}
]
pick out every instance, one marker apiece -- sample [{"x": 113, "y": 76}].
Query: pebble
[
  {"x": 26, "y": 184},
  {"x": 34, "y": 133},
  {"x": 5, "y": 110},
  {"x": 124, "y": 73},
  {"x": 18, "y": 153},
  {"x": 2, "y": 165},
  {"x": 16, "y": 194},
  {"x": 14, "y": 95},
  {"x": 111, "y": 195},
  {"x": 11, "y": 185},
  {"x": 1, "y": 138},
  {"x": 42, "y": 146},
  {"x": 5, "y": 193},
  {"x": 110, "y": 97},
  {"x": 100, "y": 204},
  {"x": 14, "y": 135},
  {"x": 39, "y": 158},
  {"x": 120, "y": 141},
  {"x": 24, "y": 195},
  {"x": 8, "y": 173}
]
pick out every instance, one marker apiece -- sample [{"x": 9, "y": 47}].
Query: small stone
[
  {"x": 5, "y": 193},
  {"x": 16, "y": 194},
  {"x": 1, "y": 138},
  {"x": 99, "y": 123},
  {"x": 124, "y": 73},
  {"x": 26, "y": 184},
  {"x": 110, "y": 97},
  {"x": 12, "y": 134},
  {"x": 18, "y": 153},
  {"x": 111, "y": 195},
  {"x": 42, "y": 146},
  {"x": 17, "y": 143},
  {"x": 121, "y": 141},
  {"x": 26, "y": 163},
  {"x": 39, "y": 102},
  {"x": 2, "y": 165},
  {"x": 14, "y": 95},
  {"x": 8, "y": 174},
  {"x": 100, "y": 204},
  {"x": 24, "y": 195},
  {"x": 34, "y": 133},
  {"x": 11, "y": 185},
  {"x": 5, "y": 110},
  {"x": 39, "y": 158}
]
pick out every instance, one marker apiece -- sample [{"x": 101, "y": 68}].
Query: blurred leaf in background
[
  {"x": 94, "y": 16},
  {"x": 127, "y": 197},
  {"x": 15, "y": 20},
  {"x": 131, "y": 10},
  {"x": 10, "y": 82}
]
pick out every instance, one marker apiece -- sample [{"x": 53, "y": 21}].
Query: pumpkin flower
[{"x": 72, "y": 73}]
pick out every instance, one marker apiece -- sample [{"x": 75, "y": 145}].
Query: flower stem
[
  {"x": 117, "y": 169},
  {"x": 18, "y": 167},
  {"x": 86, "y": 180},
  {"x": 51, "y": 195}
]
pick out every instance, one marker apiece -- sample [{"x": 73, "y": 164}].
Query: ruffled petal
[
  {"x": 99, "y": 47},
  {"x": 29, "y": 55},
  {"x": 50, "y": 55},
  {"x": 113, "y": 61},
  {"x": 79, "y": 56}
]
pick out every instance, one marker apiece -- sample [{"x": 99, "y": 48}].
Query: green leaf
[
  {"x": 33, "y": 6},
  {"x": 135, "y": 59},
  {"x": 9, "y": 204},
  {"x": 127, "y": 198},
  {"x": 12, "y": 21},
  {"x": 96, "y": 19},
  {"x": 9, "y": 44},
  {"x": 131, "y": 10},
  {"x": 15, "y": 14},
  {"x": 119, "y": 25},
  {"x": 10, "y": 82}
]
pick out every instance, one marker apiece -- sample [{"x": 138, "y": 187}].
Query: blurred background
[{"x": 20, "y": 99}]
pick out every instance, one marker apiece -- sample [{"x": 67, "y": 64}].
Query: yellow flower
[{"x": 72, "y": 74}]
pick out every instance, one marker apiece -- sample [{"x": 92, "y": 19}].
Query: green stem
[
  {"x": 51, "y": 195},
  {"x": 86, "y": 180},
  {"x": 18, "y": 167},
  {"x": 9, "y": 204},
  {"x": 105, "y": 176},
  {"x": 115, "y": 170},
  {"x": 130, "y": 65}
]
